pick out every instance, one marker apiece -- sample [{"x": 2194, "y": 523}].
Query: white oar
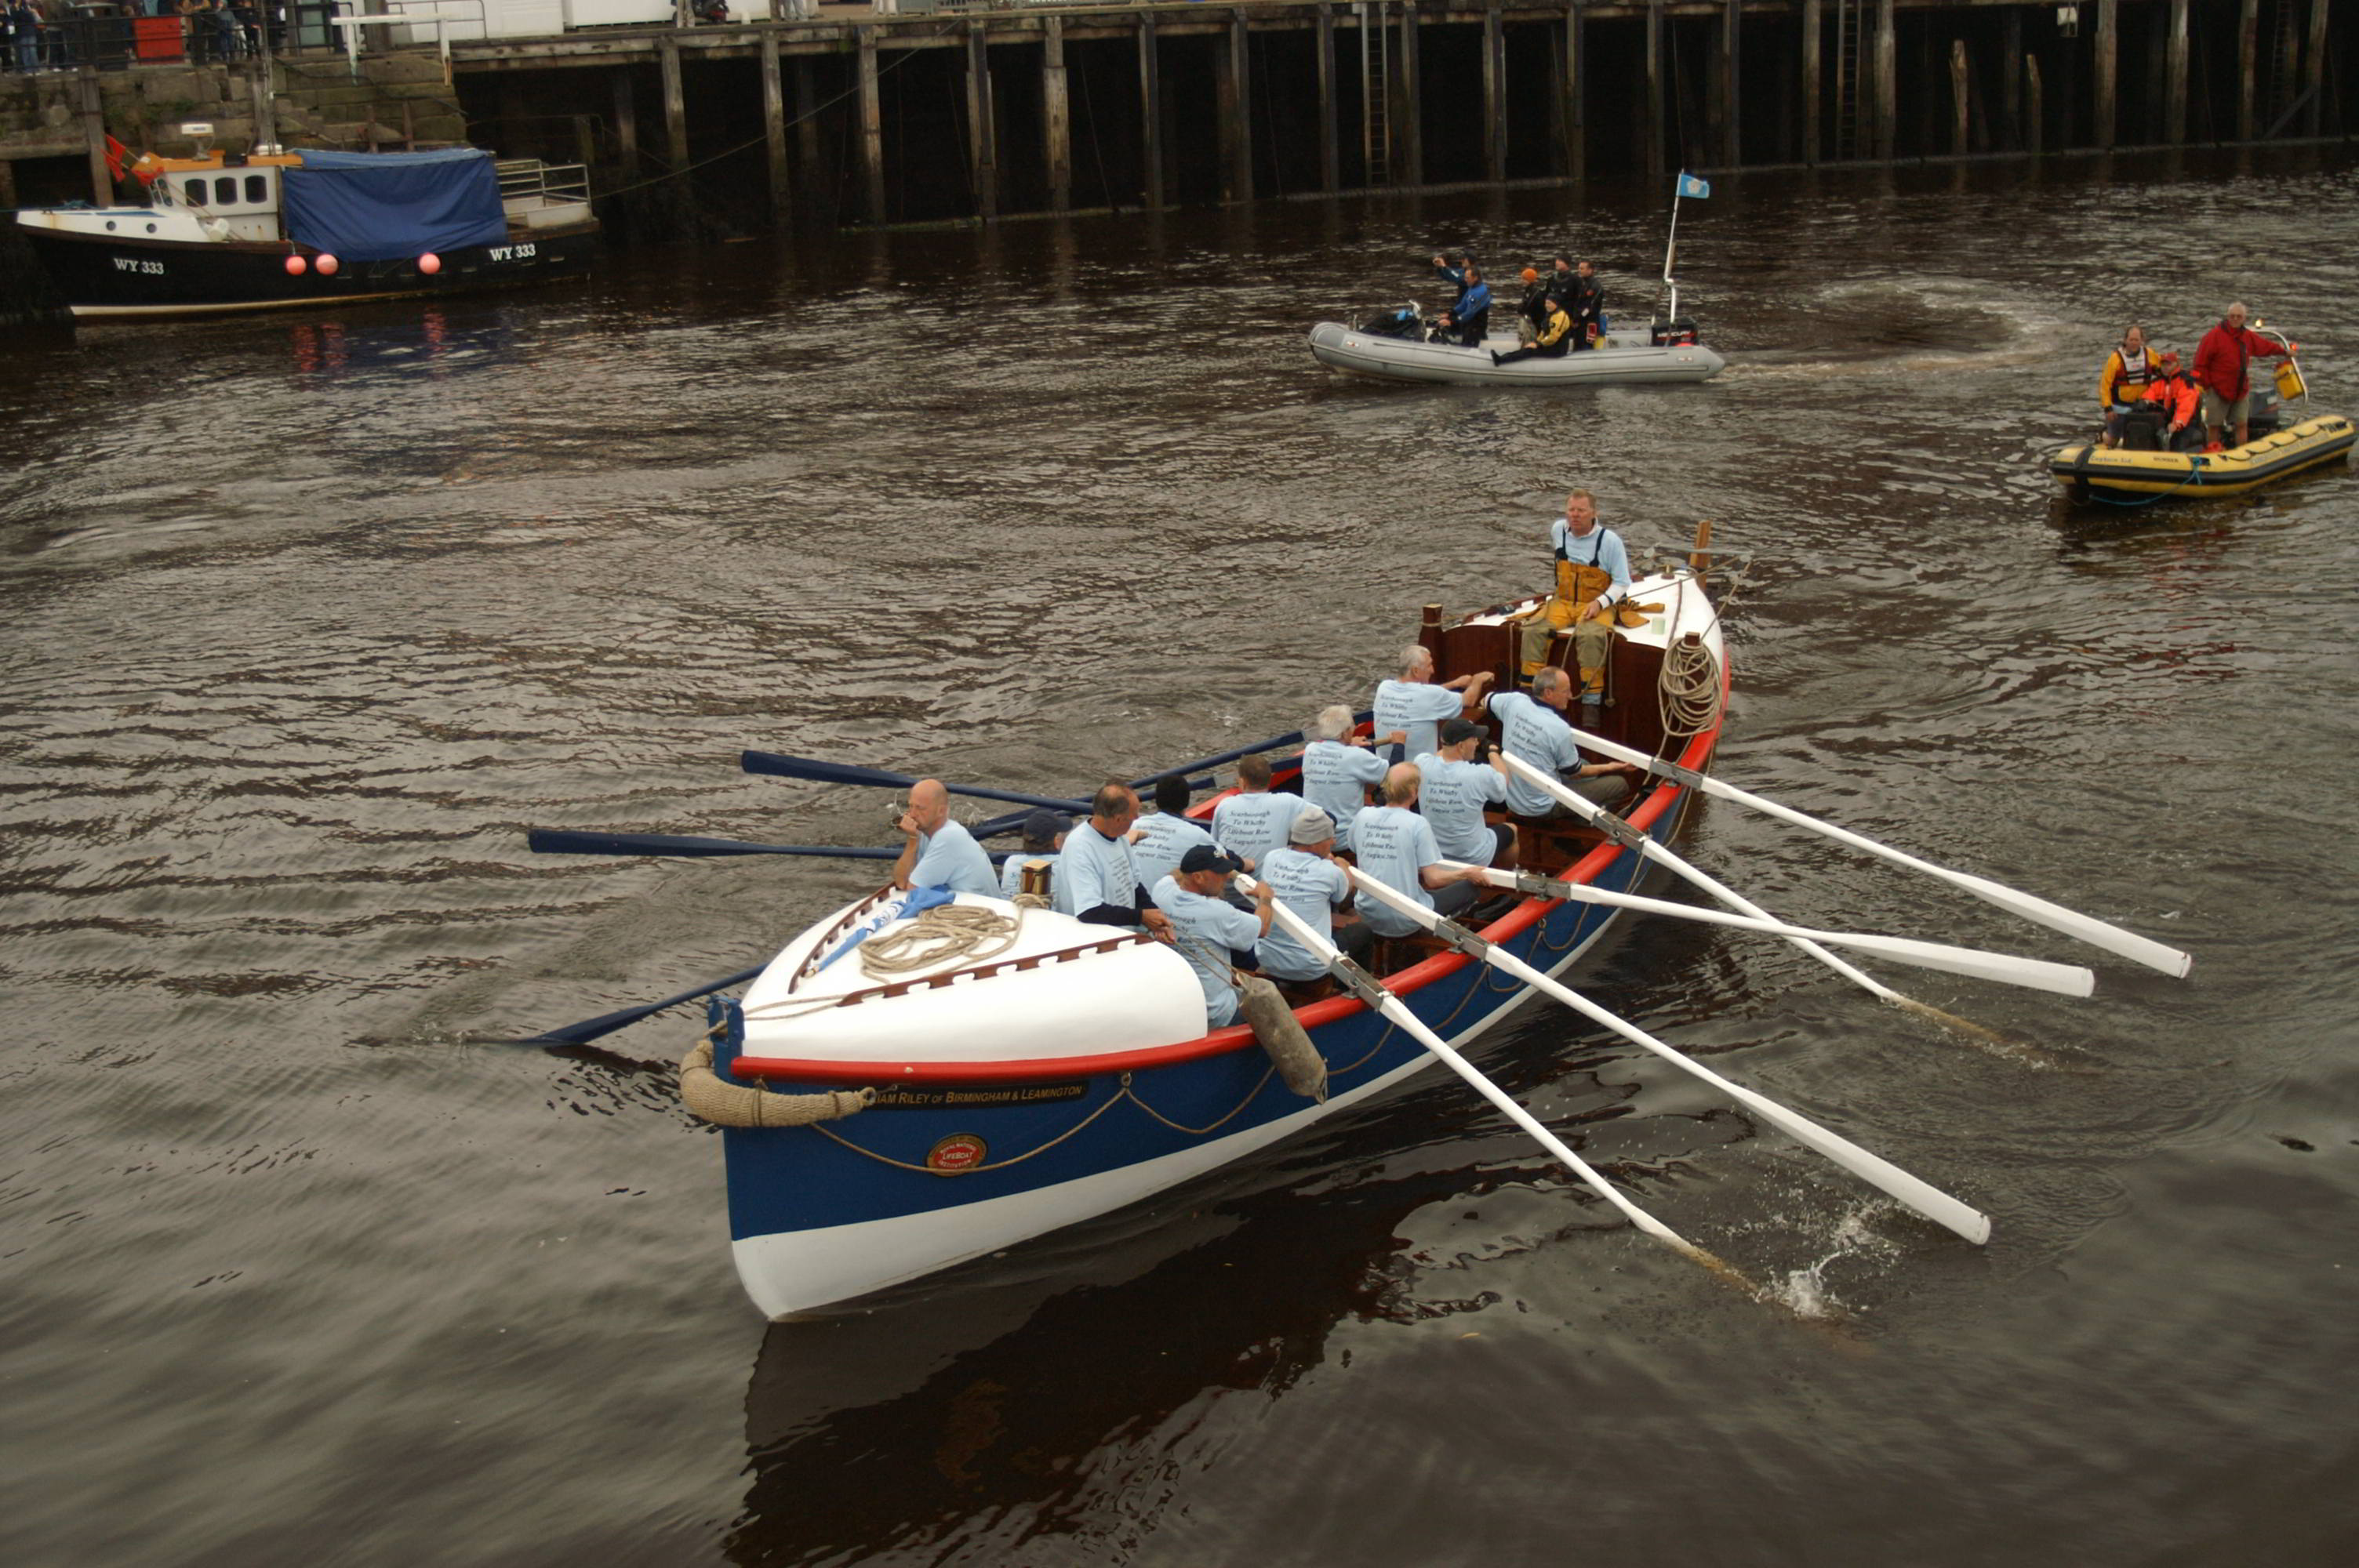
[
  {"x": 1379, "y": 999},
  {"x": 2088, "y": 928},
  {"x": 2065, "y": 979},
  {"x": 1645, "y": 845},
  {"x": 1874, "y": 1169}
]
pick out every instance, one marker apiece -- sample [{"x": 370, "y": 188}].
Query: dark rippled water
[{"x": 307, "y": 622}]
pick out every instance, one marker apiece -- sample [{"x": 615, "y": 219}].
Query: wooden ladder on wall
[
  {"x": 2276, "y": 91},
  {"x": 1849, "y": 50},
  {"x": 1375, "y": 92}
]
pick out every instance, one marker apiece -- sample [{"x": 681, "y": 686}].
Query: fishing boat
[
  {"x": 1667, "y": 354},
  {"x": 2141, "y": 470},
  {"x": 273, "y": 229}
]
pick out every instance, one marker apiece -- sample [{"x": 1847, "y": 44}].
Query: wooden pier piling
[
  {"x": 1568, "y": 99},
  {"x": 981, "y": 130},
  {"x": 1716, "y": 83},
  {"x": 1056, "y": 116},
  {"x": 774, "y": 130},
  {"x": 1330, "y": 160},
  {"x": 1150, "y": 97},
  {"x": 872, "y": 128},
  {"x": 675, "y": 106},
  {"x": 2174, "y": 72},
  {"x": 2108, "y": 47}
]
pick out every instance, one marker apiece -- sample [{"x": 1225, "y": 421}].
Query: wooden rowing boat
[{"x": 1071, "y": 1073}]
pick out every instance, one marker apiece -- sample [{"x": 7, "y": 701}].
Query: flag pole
[{"x": 1670, "y": 247}]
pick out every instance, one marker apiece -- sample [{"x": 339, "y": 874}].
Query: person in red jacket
[
  {"x": 2224, "y": 369},
  {"x": 2174, "y": 398}
]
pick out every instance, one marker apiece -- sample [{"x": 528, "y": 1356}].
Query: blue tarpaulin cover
[{"x": 385, "y": 206}]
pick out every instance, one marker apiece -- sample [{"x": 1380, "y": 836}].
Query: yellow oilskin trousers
[{"x": 1576, "y": 586}]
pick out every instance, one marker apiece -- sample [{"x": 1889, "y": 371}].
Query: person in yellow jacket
[
  {"x": 2129, "y": 370},
  {"x": 1555, "y": 339}
]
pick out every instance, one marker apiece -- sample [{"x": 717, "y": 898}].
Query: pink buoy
[
  {"x": 429, "y": 264},
  {"x": 297, "y": 266},
  {"x": 326, "y": 264}
]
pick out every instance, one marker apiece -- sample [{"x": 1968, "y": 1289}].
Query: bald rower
[
  {"x": 1094, "y": 876},
  {"x": 938, "y": 852},
  {"x": 1395, "y": 845}
]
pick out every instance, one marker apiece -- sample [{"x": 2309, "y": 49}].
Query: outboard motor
[
  {"x": 2142, "y": 430},
  {"x": 1400, "y": 321},
  {"x": 2267, "y": 413},
  {"x": 1678, "y": 332}
]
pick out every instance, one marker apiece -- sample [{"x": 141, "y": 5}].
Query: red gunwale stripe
[{"x": 1236, "y": 1037}]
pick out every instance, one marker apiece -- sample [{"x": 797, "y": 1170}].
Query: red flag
[{"x": 115, "y": 153}]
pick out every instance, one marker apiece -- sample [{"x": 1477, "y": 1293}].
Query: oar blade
[
  {"x": 590, "y": 1029},
  {"x": 1878, "y": 1172},
  {"x": 565, "y": 842},
  {"x": 1961, "y": 1218},
  {"x": 2037, "y": 974},
  {"x": 780, "y": 765},
  {"x": 2088, "y": 928}
]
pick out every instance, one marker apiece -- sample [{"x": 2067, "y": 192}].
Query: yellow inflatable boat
[
  {"x": 2132, "y": 474},
  {"x": 2089, "y": 472}
]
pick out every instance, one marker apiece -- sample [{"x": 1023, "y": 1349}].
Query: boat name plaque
[{"x": 899, "y": 1096}]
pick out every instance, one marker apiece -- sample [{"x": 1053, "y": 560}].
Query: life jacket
[
  {"x": 2172, "y": 392},
  {"x": 2130, "y": 381}
]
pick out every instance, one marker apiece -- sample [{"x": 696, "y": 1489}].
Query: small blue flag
[{"x": 1690, "y": 185}]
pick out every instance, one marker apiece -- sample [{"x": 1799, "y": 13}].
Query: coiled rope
[
  {"x": 942, "y": 935},
  {"x": 1689, "y": 694}
]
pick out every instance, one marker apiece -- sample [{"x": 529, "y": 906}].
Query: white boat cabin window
[{"x": 225, "y": 191}]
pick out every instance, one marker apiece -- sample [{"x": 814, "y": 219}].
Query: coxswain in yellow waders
[{"x": 1592, "y": 577}]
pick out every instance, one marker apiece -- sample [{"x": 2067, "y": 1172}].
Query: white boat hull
[{"x": 792, "y": 1272}]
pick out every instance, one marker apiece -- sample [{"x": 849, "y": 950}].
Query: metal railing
[{"x": 524, "y": 176}]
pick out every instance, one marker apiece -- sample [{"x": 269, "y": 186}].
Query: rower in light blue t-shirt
[
  {"x": 938, "y": 852},
  {"x": 1303, "y": 876},
  {"x": 1252, "y": 822},
  {"x": 1394, "y": 846},
  {"x": 1336, "y": 773},
  {"x": 1044, "y": 835},
  {"x": 1208, "y": 928},
  {"x": 1414, "y": 703},
  {"x": 1532, "y": 727},
  {"x": 1158, "y": 839},
  {"x": 1452, "y": 792}
]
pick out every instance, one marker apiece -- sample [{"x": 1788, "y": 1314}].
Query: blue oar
[
  {"x": 563, "y": 841},
  {"x": 551, "y": 841},
  {"x": 606, "y": 1023},
  {"x": 839, "y": 772},
  {"x": 566, "y": 841},
  {"x": 844, "y": 773}
]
